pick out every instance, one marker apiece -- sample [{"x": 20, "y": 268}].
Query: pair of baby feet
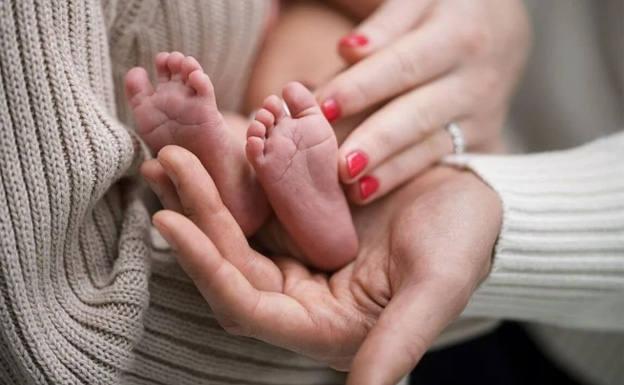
[{"x": 288, "y": 163}]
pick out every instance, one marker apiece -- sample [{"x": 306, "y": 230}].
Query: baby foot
[
  {"x": 182, "y": 110},
  {"x": 295, "y": 159}
]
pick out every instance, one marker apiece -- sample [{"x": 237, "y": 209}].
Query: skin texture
[
  {"x": 376, "y": 316},
  {"x": 425, "y": 64},
  {"x": 182, "y": 110},
  {"x": 295, "y": 160}
]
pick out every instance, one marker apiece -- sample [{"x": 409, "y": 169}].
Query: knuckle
[
  {"x": 351, "y": 93},
  {"x": 189, "y": 212},
  {"x": 472, "y": 39},
  {"x": 398, "y": 170},
  {"x": 406, "y": 64},
  {"x": 233, "y": 328},
  {"x": 381, "y": 139},
  {"x": 424, "y": 122},
  {"x": 488, "y": 89},
  {"x": 416, "y": 347}
]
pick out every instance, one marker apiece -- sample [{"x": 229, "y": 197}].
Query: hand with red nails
[
  {"x": 422, "y": 65},
  {"x": 375, "y": 317}
]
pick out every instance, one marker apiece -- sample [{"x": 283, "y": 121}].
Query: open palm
[{"x": 377, "y": 315}]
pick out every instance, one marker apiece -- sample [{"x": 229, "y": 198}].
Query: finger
[
  {"x": 226, "y": 289},
  {"x": 404, "y": 332},
  {"x": 389, "y": 21},
  {"x": 414, "y": 59},
  {"x": 272, "y": 317},
  {"x": 400, "y": 168},
  {"x": 405, "y": 121},
  {"x": 161, "y": 185},
  {"x": 201, "y": 202}
]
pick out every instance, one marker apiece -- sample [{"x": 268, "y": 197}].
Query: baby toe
[
  {"x": 299, "y": 100},
  {"x": 275, "y": 105},
  {"x": 257, "y": 129},
  {"x": 265, "y": 117},
  {"x": 255, "y": 151},
  {"x": 200, "y": 82},
  {"x": 189, "y": 64},
  {"x": 174, "y": 63},
  {"x": 161, "y": 67},
  {"x": 138, "y": 86}
]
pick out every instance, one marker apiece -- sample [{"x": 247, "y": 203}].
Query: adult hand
[
  {"x": 424, "y": 250},
  {"x": 424, "y": 64}
]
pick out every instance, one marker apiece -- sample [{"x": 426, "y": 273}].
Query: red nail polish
[
  {"x": 368, "y": 186},
  {"x": 356, "y": 163},
  {"x": 354, "y": 40},
  {"x": 330, "y": 109}
]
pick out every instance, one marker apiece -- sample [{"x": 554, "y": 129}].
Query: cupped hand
[
  {"x": 422, "y": 65},
  {"x": 424, "y": 250}
]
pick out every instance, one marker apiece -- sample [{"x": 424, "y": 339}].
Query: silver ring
[{"x": 457, "y": 137}]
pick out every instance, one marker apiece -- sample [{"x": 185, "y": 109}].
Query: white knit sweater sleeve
[{"x": 559, "y": 258}]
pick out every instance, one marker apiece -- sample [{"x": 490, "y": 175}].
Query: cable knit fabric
[{"x": 84, "y": 296}]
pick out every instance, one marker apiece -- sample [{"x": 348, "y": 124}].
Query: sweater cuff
[{"x": 560, "y": 254}]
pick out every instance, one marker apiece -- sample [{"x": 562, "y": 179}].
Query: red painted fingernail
[
  {"x": 353, "y": 40},
  {"x": 368, "y": 186},
  {"x": 330, "y": 109},
  {"x": 356, "y": 163}
]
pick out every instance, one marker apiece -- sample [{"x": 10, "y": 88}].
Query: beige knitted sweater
[
  {"x": 78, "y": 304},
  {"x": 87, "y": 298}
]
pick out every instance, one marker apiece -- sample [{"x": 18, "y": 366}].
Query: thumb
[
  {"x": 407, "y": 327},
  {"x": 389, "y": 21}
]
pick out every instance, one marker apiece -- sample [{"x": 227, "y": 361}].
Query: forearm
[{"x": 560, "y": 255}]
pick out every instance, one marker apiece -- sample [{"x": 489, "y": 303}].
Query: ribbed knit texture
[
  {"x": 77, "y": 302},
  {"x": 560, "y": 256}
]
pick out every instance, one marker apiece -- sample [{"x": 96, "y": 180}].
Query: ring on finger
[{"x": 457, "y": 137}]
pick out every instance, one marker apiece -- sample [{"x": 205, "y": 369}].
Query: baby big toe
[
  {"x": 299, "y": 99},
  {"x": 200, "y": 82},
  {"x": 138, "y": 86}
]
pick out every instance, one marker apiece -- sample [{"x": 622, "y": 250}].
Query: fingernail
[
  {"x": 164, "y": 231},
  {"x": 356, "y": 163},
  {"x": 368, "y": 186},
  {"x": 353, "y": 40},
  {"x": 330, "y": 109}
]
